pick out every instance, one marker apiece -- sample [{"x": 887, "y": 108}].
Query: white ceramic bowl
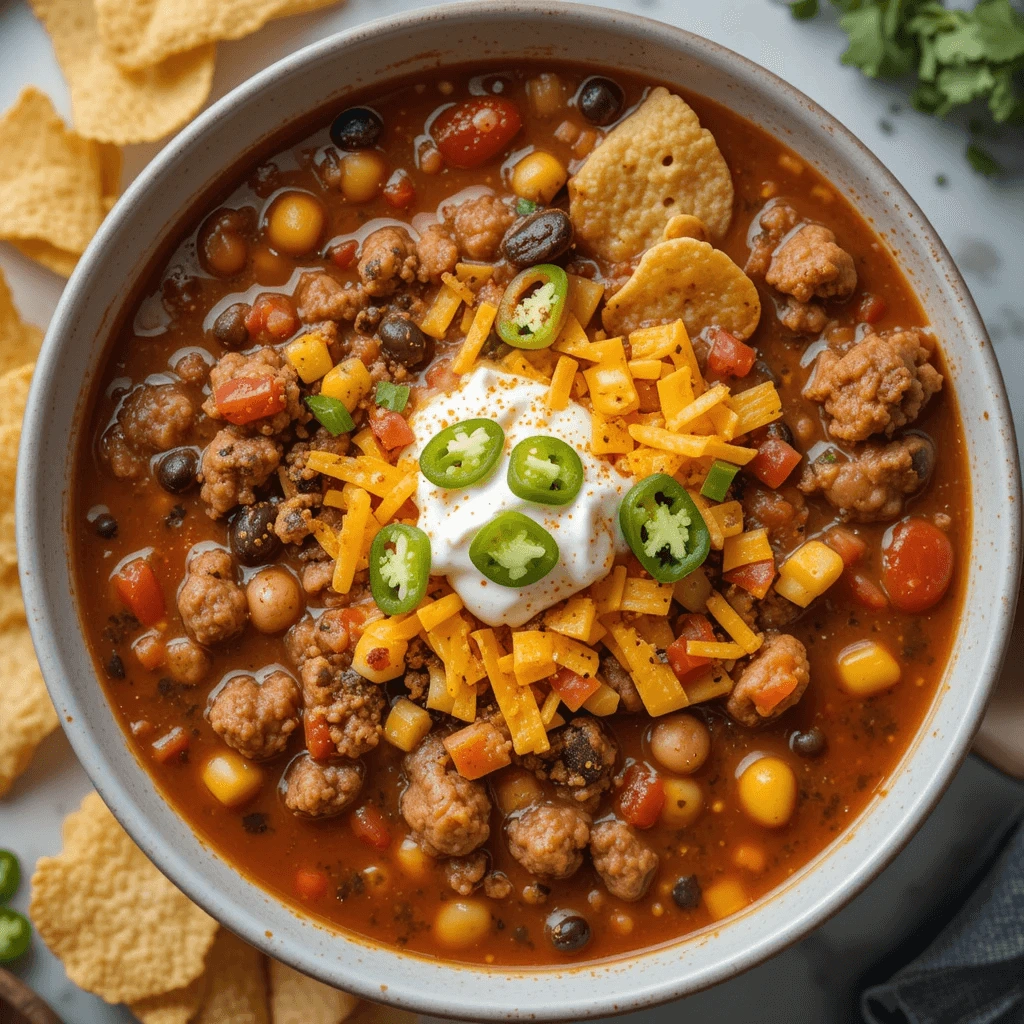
[{"x": 150, "y": 214}]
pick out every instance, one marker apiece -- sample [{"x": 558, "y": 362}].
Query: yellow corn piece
[
  {"x": 441, "y": 313},
  {"x": 729, "y": 517},
  {"x": 395, "y": 499},
  {"x": 517, "y": 703},
  {"x": 406, "y": 724},
  {"x": 655, "y": 630},
  {"x": 573, "y": 341},
  {"x": 604, "y": 701},
  {"x": 366, "y": 442},
  {"x": 474, "y": 274},
  {"x": 612, "y": 391},
  {"x": 745, "y": 548},
  {"x": 655, "y": 681},
  {"x": 309, "y": 356},
  {"x": 644, "y": 462},
  {"x": 432, "y": 615},
  {"x": 609, "y": 436},
  {"x": 349, "y": 382},
  {"x": 718, "y": 449},
  {"x": 647, "y": 597},
  {"x": 561, "y": 383},
  {"x": 728, "y": 618},
  {"x": 693, "y": 591},
  {"x": 367, "y": 473},
  {"x": 549, "y": 708},
  {"x": 689, "y": 445},
  {"x": 756, "y": 407},
  {"x": 710, "y": 520},
  {"x": 574, "y": 619},
  {"x": 808, "y": 572},
  {"x": 697, "y": 408},
  {"x": 866, "y": 668},
  {"x": 459, "y": 287},
  {"x": 438, "y": 698},
  {"x": 645, "y": 369},
  {"x": 350, "y": 541},
  {"x": 516, "y": 362},
  {"x": 724, "y": 421},
  {"x": 573, "y": 655},
  {"x": 533, "y": 654},
  {"x": 475, "y": 339},
  {"x": 325, "y": 535},
  {"x": 584, "y": 298},
  {"x": 716, "y": 682},
  {"x": 709, "y": 649},
  {"x": 607, "y": 593}
]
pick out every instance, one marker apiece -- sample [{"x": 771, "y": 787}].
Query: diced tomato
[
  {"x": 846, "y": 544},
  {"x": 273, "y": 314},
  {"x": 774, "y": 461},
  {"x": 769, "y": 697},
  {"x": 171, "y": 745},
  {"x": 687, "y": 666},
  {"x": 343, "y": 255},
  {"x": 441, "y": 376},
  {"x": 755, "y": 578},
  {"x": 573, "y": 689},
  {"x": 353, "y": 619},
  {"x": 400, "y": 192},
  {"x": 139, "y": 589},
  {"x": 471, "y": 132},
  {"x": 729, "y": 357},
  {"x": 642, "y": 796},
  {"x": 917, "y": 565},
  {"x": 318, "y": 737},
  {"x": 311, "y": 884},
  {"x": 371, "y": 827},
  {"x": 391, "y": 429},
  {"x": 245, "y": 399},
  {"x": 867, "y": 592},
  {"x": 871, "y": 309}
]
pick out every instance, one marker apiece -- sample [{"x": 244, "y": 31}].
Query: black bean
[
  {"x": 780, "y": 430},
  {"x": 105, "y": 525},
  {"x": 810, "y": 743},
  {"x": 568, "y": 932},
  {"x": 176, "y": 471},
  {"x": 540, "y": 238},
  {"x": 115, "y": 666},
  {"x": 252, "y": 534},
  {"x": 402, "y": 341},
  {"x": 601, "y": 100},
  {"x": 229, "y": 328},
  {"x": 922, "y": 459},
  {"x": 356, "y": 128},
  {"x": 686, "y": 892}
]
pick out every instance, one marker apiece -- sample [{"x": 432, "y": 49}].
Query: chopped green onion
[
  {"x": 720, "y": 476},
  {"x": 524, "y": 207},
  {"x": 392, "y": 396},
  {"x": 331, "y": 414}
]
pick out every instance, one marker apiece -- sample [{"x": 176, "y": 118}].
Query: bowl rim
[{"x": 492, "y": 1003}]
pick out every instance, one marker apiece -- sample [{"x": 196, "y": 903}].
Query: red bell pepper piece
[
  {"x": 729, "y": 357},
  {"x": 642, "y": 796},
  {"x": 846, "y": 544},
  {"x": 774, "y": 461},
  {"x": 371, "y": 827},
  {"x": 318, "y": 737},
  {"x": 311, "y": 884},
  {"x": 246, "y": 399},
  {"x": 391, "y": 429},
  {"x": 573, "y": 689},
  {"x": 755, "y": 578},
  {"x": 139, "y": 589}
]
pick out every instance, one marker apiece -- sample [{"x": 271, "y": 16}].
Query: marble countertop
[{"x": 981, "y": 221}]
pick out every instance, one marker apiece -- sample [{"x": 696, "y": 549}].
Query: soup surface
[{"x": 592, "y": 672}]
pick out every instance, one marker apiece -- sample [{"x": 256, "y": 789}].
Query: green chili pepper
[
  {"x": 533, "y": 307},
  {"x": 399, "y": 568},
  {"x": 524, "y": 207},
  {"x": 514, "y": 551},
  {"x": 664, "y": 529},
  {"x": 331, "y": 414},
  {"x": 717, "y": 482},
  {"x": 462, "y": 454},
  {"x": 390, "y": 396},
  {"x": 10, "y": 875},
  {"x": 545, "y": 470},
  {"x": 15, "y": 934}
]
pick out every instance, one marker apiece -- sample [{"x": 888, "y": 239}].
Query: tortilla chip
[
  {"x": 14, "y": 387},
  {"x": 236, "y": 984},
  {"x": 19, "y": 342},
  {"x": 177, "y": 1007},
  {"x": 113, "y": 105},
  {"x": 296, "y": 999},
  {"x": 123, "y": 931},
  {"x": 685, "y": 225},
  {"x": 26, "y": 714},
  {"x": 657, "y": 163},
  {"x": 55, "y": 186},
  {"x": 688, "y": 280},
  {"x": 137, "y": 34}
]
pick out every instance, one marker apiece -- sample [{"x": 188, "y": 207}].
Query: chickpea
[
  {"x": 275, "y": 599},
  {"x": 538, "y": 177},
  {"x": 684, "y": 801},
  {"x": 222, "y": 246},
  {"x": 546, "y": 94},
  {"x": 362, "y": 175},
  {"x": 620, "y": 923},
  {"x": 767, "y": 792},
  {"x": 295, "y": 223},
  {"x": 462, "y": 924},
  {"x": 413, "y": 861},
  {"x": 269, "y": 268},
  {"x": 516, "y": 789},
  {"x": 681, "y": 743}
]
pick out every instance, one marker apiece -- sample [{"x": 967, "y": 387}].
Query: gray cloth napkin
[{"x": 973, "y": 973}]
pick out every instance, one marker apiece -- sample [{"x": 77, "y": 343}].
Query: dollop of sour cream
[{"x": 586, "y": 530}]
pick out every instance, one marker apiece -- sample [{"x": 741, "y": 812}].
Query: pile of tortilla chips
[
  {"x": 137, "y": 70},
  {"x": 125, "y": 933}
]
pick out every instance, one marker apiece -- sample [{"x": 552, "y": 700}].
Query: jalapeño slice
[
  {"x": 462, "y": 454},
  {"x": 545, "y": 470},
  {"x": 399, "y": 568},
  {"x": 533, "y": 307},
  {"x": 663, "y": 528},
  {"x": 514, "y": 551}
]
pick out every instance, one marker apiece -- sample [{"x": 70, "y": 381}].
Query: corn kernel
[
  {"x": 406, "y": 724},
  {"x": 310, "y": 357},
  {"x": 750, "y": 857},
  {"x": 413, "y": 861},
  {"x": 725, "y": 897},
  {"x": 866, "y": 668},
  {"x": 538, "y": 177},
  {"x": 349, "y": 382},
  {"x": 812, "y": 568},
  {"x": 602, "y": 702},
  {"x": 232, "y": 779}
]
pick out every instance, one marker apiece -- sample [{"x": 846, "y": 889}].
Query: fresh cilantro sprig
[{"x": 959, "y": 57}]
